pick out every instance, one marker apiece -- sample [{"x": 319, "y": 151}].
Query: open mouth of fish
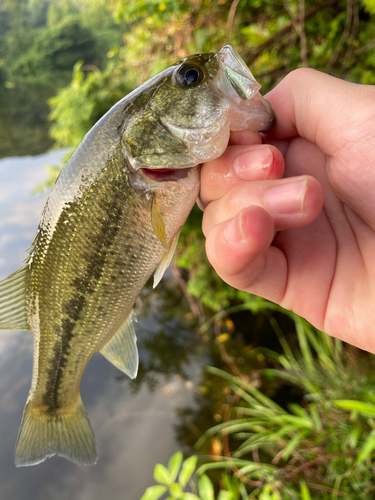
[{"x": 166, "y": 174}]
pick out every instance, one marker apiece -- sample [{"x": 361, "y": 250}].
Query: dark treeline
[{"x": 40, "y": 41}]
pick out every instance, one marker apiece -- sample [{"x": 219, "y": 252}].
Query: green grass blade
[
  {"x": 353, "y": 405},
  {"x": 367, "y": 448},
  {"x": 305, "y": 493}
]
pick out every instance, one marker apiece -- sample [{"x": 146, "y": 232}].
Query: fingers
[
  {"x": 240, "y": 228},
  {"x": 292, "y": 202},
  {"x": 237, "y": 165},
  {"x": 240, "y": 252}
]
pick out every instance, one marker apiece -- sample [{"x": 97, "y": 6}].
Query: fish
[{"x": 111, "y": 221}]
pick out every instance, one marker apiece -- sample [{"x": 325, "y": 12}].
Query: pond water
[{"x": 134, "y": 422}]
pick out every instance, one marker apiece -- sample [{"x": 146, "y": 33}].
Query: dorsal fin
[
  {"x": 13, "y": 312},
  {"x": 122, "y": 350}
]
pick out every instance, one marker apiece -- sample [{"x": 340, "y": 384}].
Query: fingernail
[
  {"x": 233, "y": 231},
  {"x": 288, "y": 197},
  {"x": 254, "y": 164}
]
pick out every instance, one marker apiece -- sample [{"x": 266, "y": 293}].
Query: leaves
[
  {"x": 154, "y": 492},
  {"x": 162, "y": 474},
  {"x": 167, "y": 477},
  {"x": 174, "y": 465},
  {"x": 367, "y": 448},
  {"x": 305, "y": 493},
  {"x": 359, "y": 406},
  {"x": 206, "y": 489},
  {"x": 187, "y": 470}
]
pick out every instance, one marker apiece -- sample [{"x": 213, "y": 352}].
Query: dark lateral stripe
[{"x": 112, "y": 206}]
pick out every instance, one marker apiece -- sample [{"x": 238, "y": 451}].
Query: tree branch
[
  {"x": 306, "y": 465},
  {"x": 328, "y": 489},
  {"x": 230, "y": 21},
  {"x": 345, "y": 34},
  {"x": 281, "y": 33}
]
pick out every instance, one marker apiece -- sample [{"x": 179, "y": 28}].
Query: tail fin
[{"x": 67, "y": 434}]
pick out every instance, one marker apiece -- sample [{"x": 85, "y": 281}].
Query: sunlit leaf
[
  {"x": 190, "y": 496},
  {"x": 225, "y": 495},
  {"x": 305, "y": 493},
  {"x": 367, "y": 448},
  {"x": 206, "y": 489},
  {"x": 370, "y": 6},
  {"x": 175, "y": 490},
  {"x": 352, "y": 405},
  {"x": 162, "y": 474},
  {"x": 174, "y": 465},
  {"x": 187, "y": 469},
  {"x": 154, "y": 492}
]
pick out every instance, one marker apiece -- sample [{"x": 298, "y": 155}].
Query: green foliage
[
  {"x": 55, "y": 50},
  {"x": 167, "y": 477},
  {"x": 369, "y": 6},
  {"x": 274, "y": 38},
  {"x": 320, "y": 448},
  {"x": 40, "y": 41},
  {"x": 92, "y": 94}
]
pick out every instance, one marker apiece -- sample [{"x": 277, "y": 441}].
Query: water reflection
[{"x": 133, "y": 425}]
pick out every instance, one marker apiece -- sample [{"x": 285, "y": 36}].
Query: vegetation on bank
[
  {"x": 320, "y": 447},
  {"x": 286, "y": 423}
]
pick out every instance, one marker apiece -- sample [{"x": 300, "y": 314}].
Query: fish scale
[
  {"x": 90, "y": 301},
  {"x": 112, "y": 219}
]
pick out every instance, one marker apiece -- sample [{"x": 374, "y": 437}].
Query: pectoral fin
[
  {"x": 166, "y": 260},
  {"x": 158, "y": 224},
  {"x": 122, "y": 350},
  {"x": 13, "y": 312}
]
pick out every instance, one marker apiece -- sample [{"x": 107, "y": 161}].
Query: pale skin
[{"x": 312, "y": 182}]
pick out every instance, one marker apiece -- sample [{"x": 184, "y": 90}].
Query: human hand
[{"x": 321, "y": 263}]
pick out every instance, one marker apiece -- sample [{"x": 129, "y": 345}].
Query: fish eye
[{"x": 189, "y": 75}]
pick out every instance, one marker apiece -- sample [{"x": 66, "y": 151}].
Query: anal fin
[
  {"x": 13, "y": 312},
  {"x": 122, "y": 350},
  {"x": 166, "y": 260}
]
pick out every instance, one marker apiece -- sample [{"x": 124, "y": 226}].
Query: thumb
[{"x": 339, "y": 118}]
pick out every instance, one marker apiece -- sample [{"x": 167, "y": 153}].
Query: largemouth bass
[{"x": 112, "y": 220}]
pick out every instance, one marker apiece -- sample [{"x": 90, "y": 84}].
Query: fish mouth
[{"x": 166, "y": 174}]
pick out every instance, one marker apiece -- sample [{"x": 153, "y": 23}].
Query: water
[{"x": 134, "y": 426}]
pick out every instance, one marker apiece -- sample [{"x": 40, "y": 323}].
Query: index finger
[{"x": 237, "y": 165}]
